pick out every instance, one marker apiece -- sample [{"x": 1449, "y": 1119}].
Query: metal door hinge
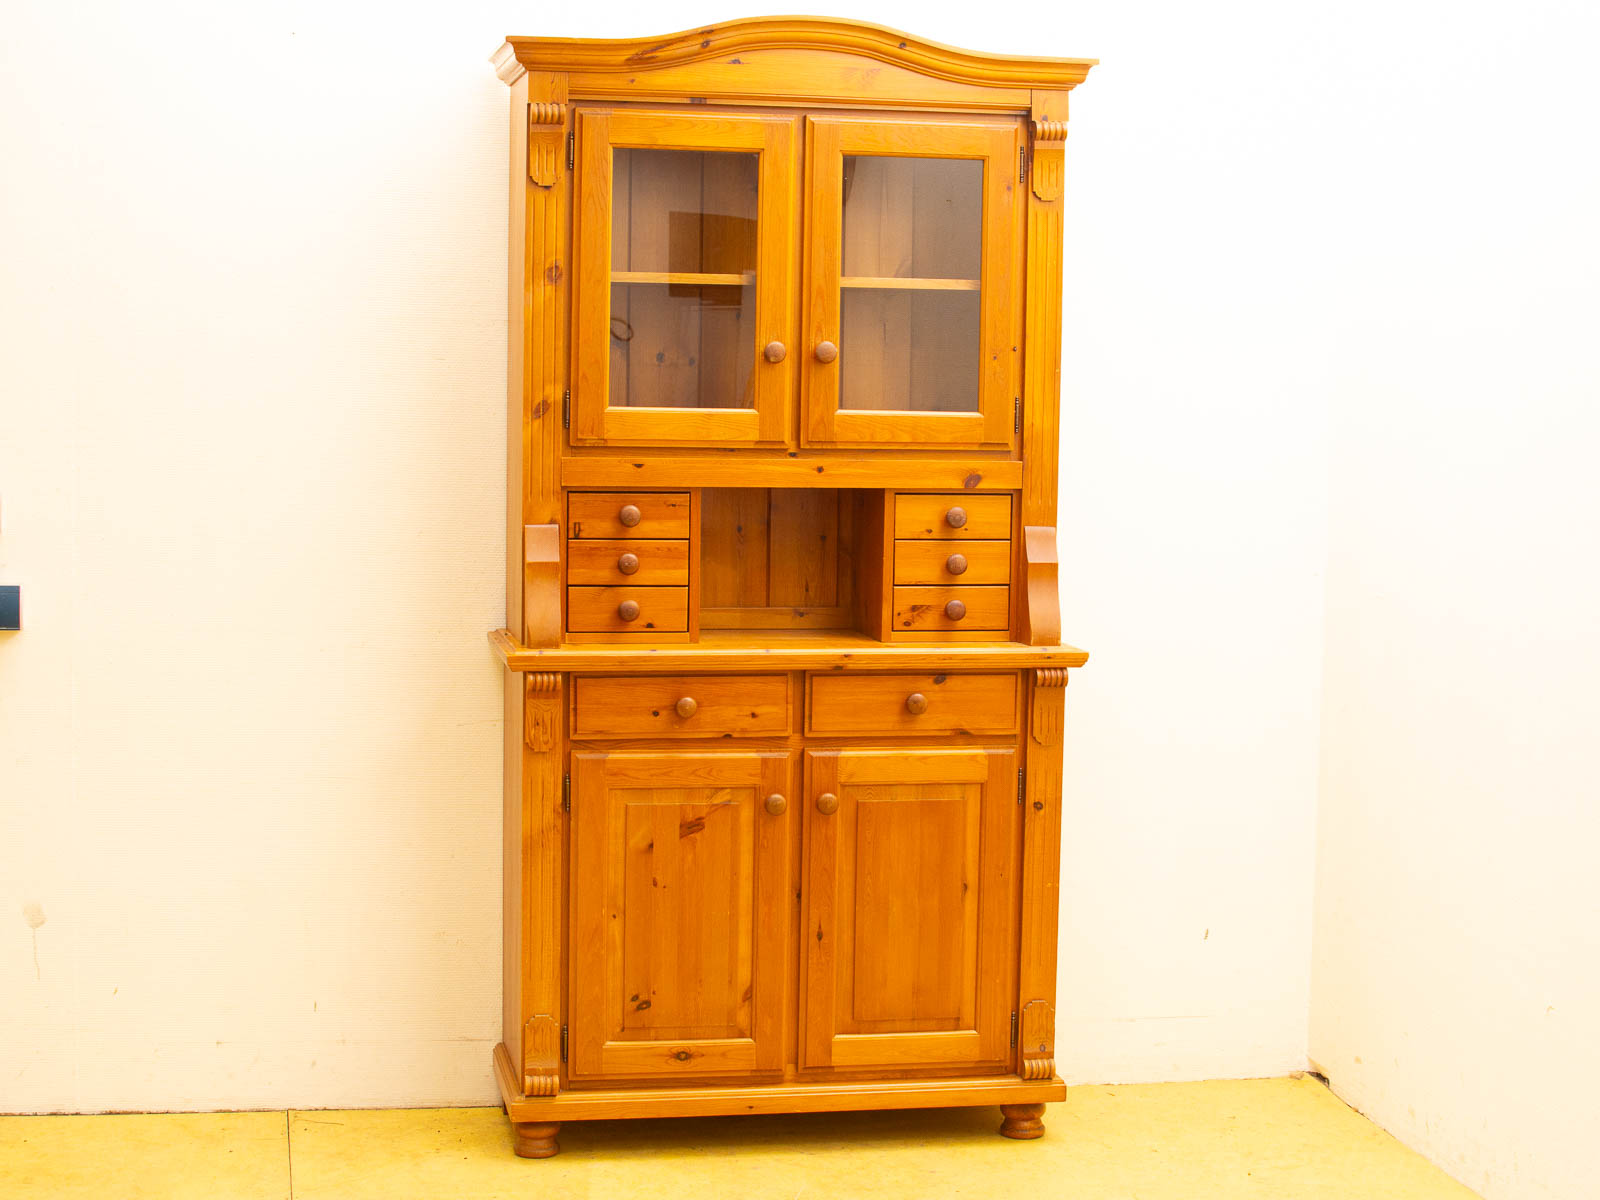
[
  {"x": 1022, "y": 783},
  {"x": 1022, "y": 164},
  {"x": 570, "y": 136},
  {"x": 564, "y": 1036},
  {"x": 566, "y": 409},
  {"x": 566, "y": 793},
  {"x": 1016, "y": 414}
]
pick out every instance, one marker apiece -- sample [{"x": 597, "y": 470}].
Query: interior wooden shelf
[
  {"x": 782, "y": 650},
  {"x": 690, "y": 278},
  {"x": 910, "y": 284}
]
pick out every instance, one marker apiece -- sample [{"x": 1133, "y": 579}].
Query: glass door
[
  {"x": 912, "y": 283},
  {"x": 684, "y": 228}
]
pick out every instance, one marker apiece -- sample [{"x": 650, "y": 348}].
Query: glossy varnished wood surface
[
  {"x": 846, "y": 1095},
  {"x": 653, "y": 706},
  {"x": 769, "y": 649},
  {"x": 879, "y": 704},
  {"x": 679, "y": 878}
]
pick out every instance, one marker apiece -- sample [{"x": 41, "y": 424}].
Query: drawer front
[
  {"x": 932, "y": 516},
  {"x": 628, "y": 562},
  {"x": 985, "y": 704},
  {"x": 605, "y": 514},
  {"x": 655, "y": 706},
  {"x": 930, "y": 609},
  {"x": 970, "y": 563},
  {"x": 600, "y": 609}
]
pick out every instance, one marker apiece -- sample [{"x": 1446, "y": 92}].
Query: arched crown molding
[{"x": 634, "y": 56}]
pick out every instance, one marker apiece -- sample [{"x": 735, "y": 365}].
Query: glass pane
[
  {"x": 911, "y": 279},
  {"x": 683, "y": 269}
]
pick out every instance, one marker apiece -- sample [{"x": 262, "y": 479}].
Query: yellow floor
[{"x": 1281, "y": 1139}]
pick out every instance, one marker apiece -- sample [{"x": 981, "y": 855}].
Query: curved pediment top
[{"x": 638, "y": 55}]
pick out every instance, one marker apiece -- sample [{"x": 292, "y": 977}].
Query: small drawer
[
  {"x": 969, "y": 563},
  {"x": 985, "y": 704},
  {"x": 680, "y": 706},
  {"x": 637, "y": 562},
  {"x": 628, "y": 514},
  {"x": 930, "y": 609},
  {"x": 627, "y": 609},
  {"x": 953, "y": 515}
]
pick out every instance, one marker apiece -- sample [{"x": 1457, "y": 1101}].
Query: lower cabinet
[
  {"x": 682, "y": 911},
  {"x": 910, "y": 898}
]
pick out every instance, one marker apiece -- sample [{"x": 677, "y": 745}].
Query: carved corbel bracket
[
  {"x": 1049, "y": 115},
  {"x": 541, "y": 1067},
  {"x": 1038, "y": 1040},
  {"x": 547, "y": 127},
  {"x": 1048, "y": 712},
  {"x": 541, "y": 585},
  {"x": 1042, "y": 567}
]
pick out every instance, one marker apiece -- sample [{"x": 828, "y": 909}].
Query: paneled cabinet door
[
  {"x": 912, "y": 283},
  {"x": 910, "y": 908},
  {"x": 685, "y": 295},
  {"x": 680, "y": 913}
]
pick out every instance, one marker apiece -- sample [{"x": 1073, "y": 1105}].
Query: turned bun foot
[
  {"x": 536, "y": 1139},
  {"x": 1022, "y": 1121}
]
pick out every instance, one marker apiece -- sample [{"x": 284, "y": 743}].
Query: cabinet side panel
[
  {"x": 540, "y": 847},
  {"x": 1041, "y": 872},
  {"x": 511, "y": 872},
  {"x": 540, "y": 316},
  {"x": 1042, "y": 336},
  {"x": 516, "y": 356}
]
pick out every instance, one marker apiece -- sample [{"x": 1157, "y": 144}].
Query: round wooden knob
[
  {"x": 687, "y": 707},
  {"x": 629, "y": 515},
  {"x": 916, "y": 704},
  {"x": 775, "y": 352},
  {"x": 956, "y": 564},
  {"x": 776, "y": 804},
  {"x": 827, "y": 804},
  {"x": 629, "y": 563},
  {"x": 955, "y": 610},
  {"x": 628, "y": 610},
  {"x": 826, "y": 352},
  {"x": 956, "y": 517}
]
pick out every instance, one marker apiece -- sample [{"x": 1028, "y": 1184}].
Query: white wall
[{"x": 1457, "y": 968}]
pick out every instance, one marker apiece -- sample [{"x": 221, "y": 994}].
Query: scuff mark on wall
[{"x": 33, "y": 914}]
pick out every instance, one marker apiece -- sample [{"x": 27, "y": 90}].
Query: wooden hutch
[{"x": 783, "y": 670}]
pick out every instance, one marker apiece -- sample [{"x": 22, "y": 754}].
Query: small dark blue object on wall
[{"x": 10, "y": 606}]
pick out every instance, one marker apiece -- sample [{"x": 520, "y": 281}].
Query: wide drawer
[
  {"x": 621, "y": 562},
  {"x": 936, "y": 562},
  {"x": 627, "y": 609},
  {"x": 628, "y": 514},
  {"x": 680, "y": 706},
  {"x": 984, "y": 704},
  {"x": 953, "y": 515},
  {"x": 929, "y": 609}
]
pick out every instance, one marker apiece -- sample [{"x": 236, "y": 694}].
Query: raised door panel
[
  {"x": 910, "y": 901},
  {"x": 679, "y": 914},
  {"x": 911, "y": 283},
  {"x": 684, "y": 236}
]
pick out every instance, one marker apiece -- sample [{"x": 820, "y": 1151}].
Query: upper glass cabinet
[
  {"x": 685, "y": 300},
  {"x": 691, "y": 325},
  {"x": 911, "y": 283}
]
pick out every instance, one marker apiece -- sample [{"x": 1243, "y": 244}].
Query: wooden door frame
[
  {"x": 593, "y": 1057},
  {"x": 998, "y": 144},
  {"x": 598, "y": 131},
  {"x": 987, "y": 1043}
]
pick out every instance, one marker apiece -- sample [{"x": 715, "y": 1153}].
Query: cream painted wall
[{"x": 1457, "y": 948}]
